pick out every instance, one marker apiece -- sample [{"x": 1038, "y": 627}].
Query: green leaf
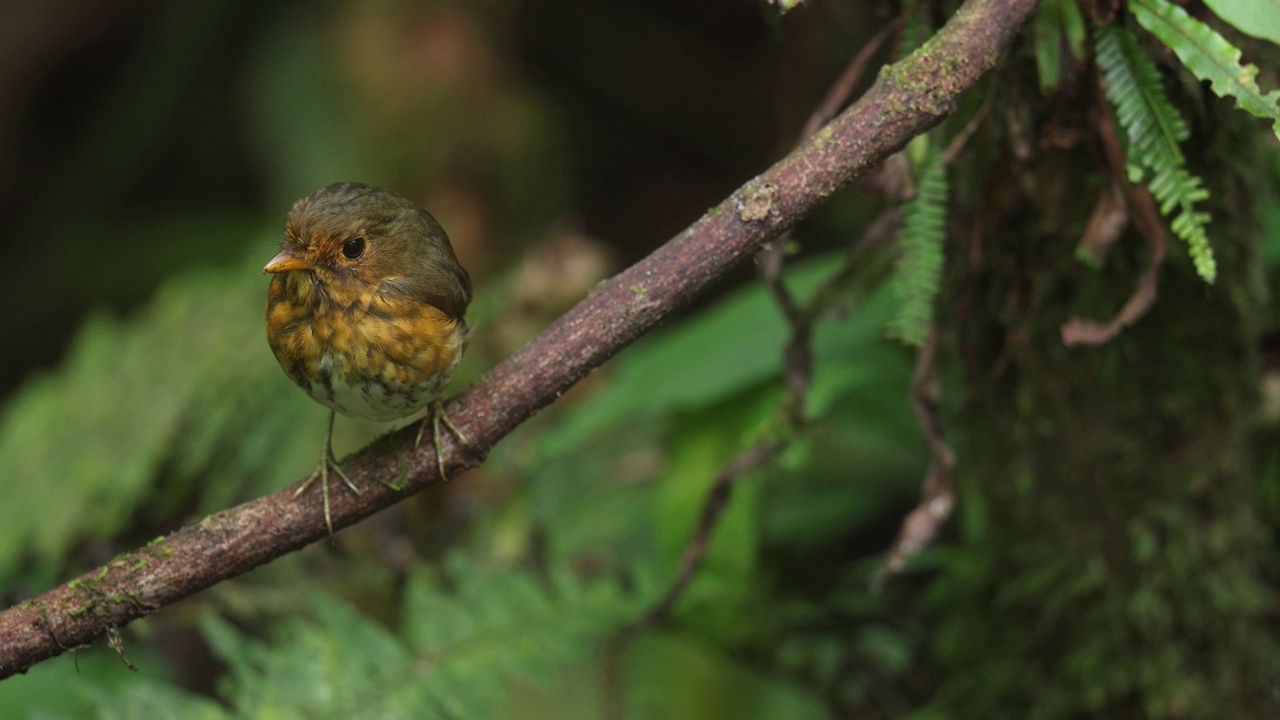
[
  {"x": 1271, "y": 233},
  {"x": 732, "y": 346},
  {"x": 703, "y": 443},
  {"x": 152, "y": 700},
  {"x": 678, "y": 677},
  {"x": 72, "y": 685},
  {"x": 1259, "y": 18},
  {"x": 179, "y": 405},
  {"x": 306, "y": 128},
  {"x": 785, "y": 6},
  {"x": 1210, "y": 56},
  {"x": 1057, "y": 23},
  {"x": 1155, "y": 130},
  {"x": 466, "y": 638},
  {"x": 919, "y": 271}
]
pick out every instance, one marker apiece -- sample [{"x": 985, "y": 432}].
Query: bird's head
[{"x": 351, "y": 238}]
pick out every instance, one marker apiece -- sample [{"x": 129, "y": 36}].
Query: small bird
[{"x": 365, "y": 311}]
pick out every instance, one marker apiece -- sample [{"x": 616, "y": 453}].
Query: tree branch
[{"x": 907, "y": 99}]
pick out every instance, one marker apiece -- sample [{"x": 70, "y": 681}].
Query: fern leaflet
[
  {"x": 1155, "y": 131},
  {"x": 920, "y": 267},
  {"x": 455, "y": 655},
  {"x": 1210, "y": 56},
  {"x": 1058, "y": 24}
]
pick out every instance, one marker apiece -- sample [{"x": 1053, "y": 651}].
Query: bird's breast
[{"x": 374, "y": 357}]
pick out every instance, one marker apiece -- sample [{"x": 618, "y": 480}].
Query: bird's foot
[
  {"x": 327, "y": 462},
  {"x": 435, "y": 418}
]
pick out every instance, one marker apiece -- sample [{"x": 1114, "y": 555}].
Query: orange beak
[{"x": 285, "y": 261}]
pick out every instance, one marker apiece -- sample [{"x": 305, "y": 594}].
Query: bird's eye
[{"x": 354, "y": 248}]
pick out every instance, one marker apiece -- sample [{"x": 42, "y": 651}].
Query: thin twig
[
  {"x": 840, "y": 91},
  {"x": 938, "y": 498},
  {"x": 696, "y": 551},
  {"x": 797, "y": 371},
  {"x": 690, "y": 562},
  {"x": 797, "y": 356},
  {"x": 1141, "y": 210},
  {"x": 878, "y": 231},
  {"x": 906, "y": 100},
  {"x": 797, "y": 365},
  {"x": 962, "y": 138}
]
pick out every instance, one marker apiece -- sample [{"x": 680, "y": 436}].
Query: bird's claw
[
  {"x": 327, "y": 461},
  {"x": 436, "y": 416}
]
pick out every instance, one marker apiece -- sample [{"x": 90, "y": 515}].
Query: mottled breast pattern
[{"x": 364, "y": 355}]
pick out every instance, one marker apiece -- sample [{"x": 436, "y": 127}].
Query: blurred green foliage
[
  {"x": 177, "y": 406},
  {"x": 502, "y": 593},
  {"x": 484, "y": 617}
]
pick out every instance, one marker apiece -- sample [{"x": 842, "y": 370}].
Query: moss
[{"x": 1113, "y": 563}]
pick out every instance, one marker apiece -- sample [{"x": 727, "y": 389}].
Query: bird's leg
[
  {"x": 436, "y": 416},
  {"x": 327, "y": 460}
]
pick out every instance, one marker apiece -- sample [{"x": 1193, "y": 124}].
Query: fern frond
[
  {"x": 179, "y": 402},
  {"x": 1155, "y": 131},
  {"x": 1058, "y": 24},
  {"x": 1210, "y": 56},
  {"x": 917, "y": 276},
  {"x": 454, "y": 656}
]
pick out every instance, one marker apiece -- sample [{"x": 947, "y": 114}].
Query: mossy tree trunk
[{"x": 1112, "y": 562}]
